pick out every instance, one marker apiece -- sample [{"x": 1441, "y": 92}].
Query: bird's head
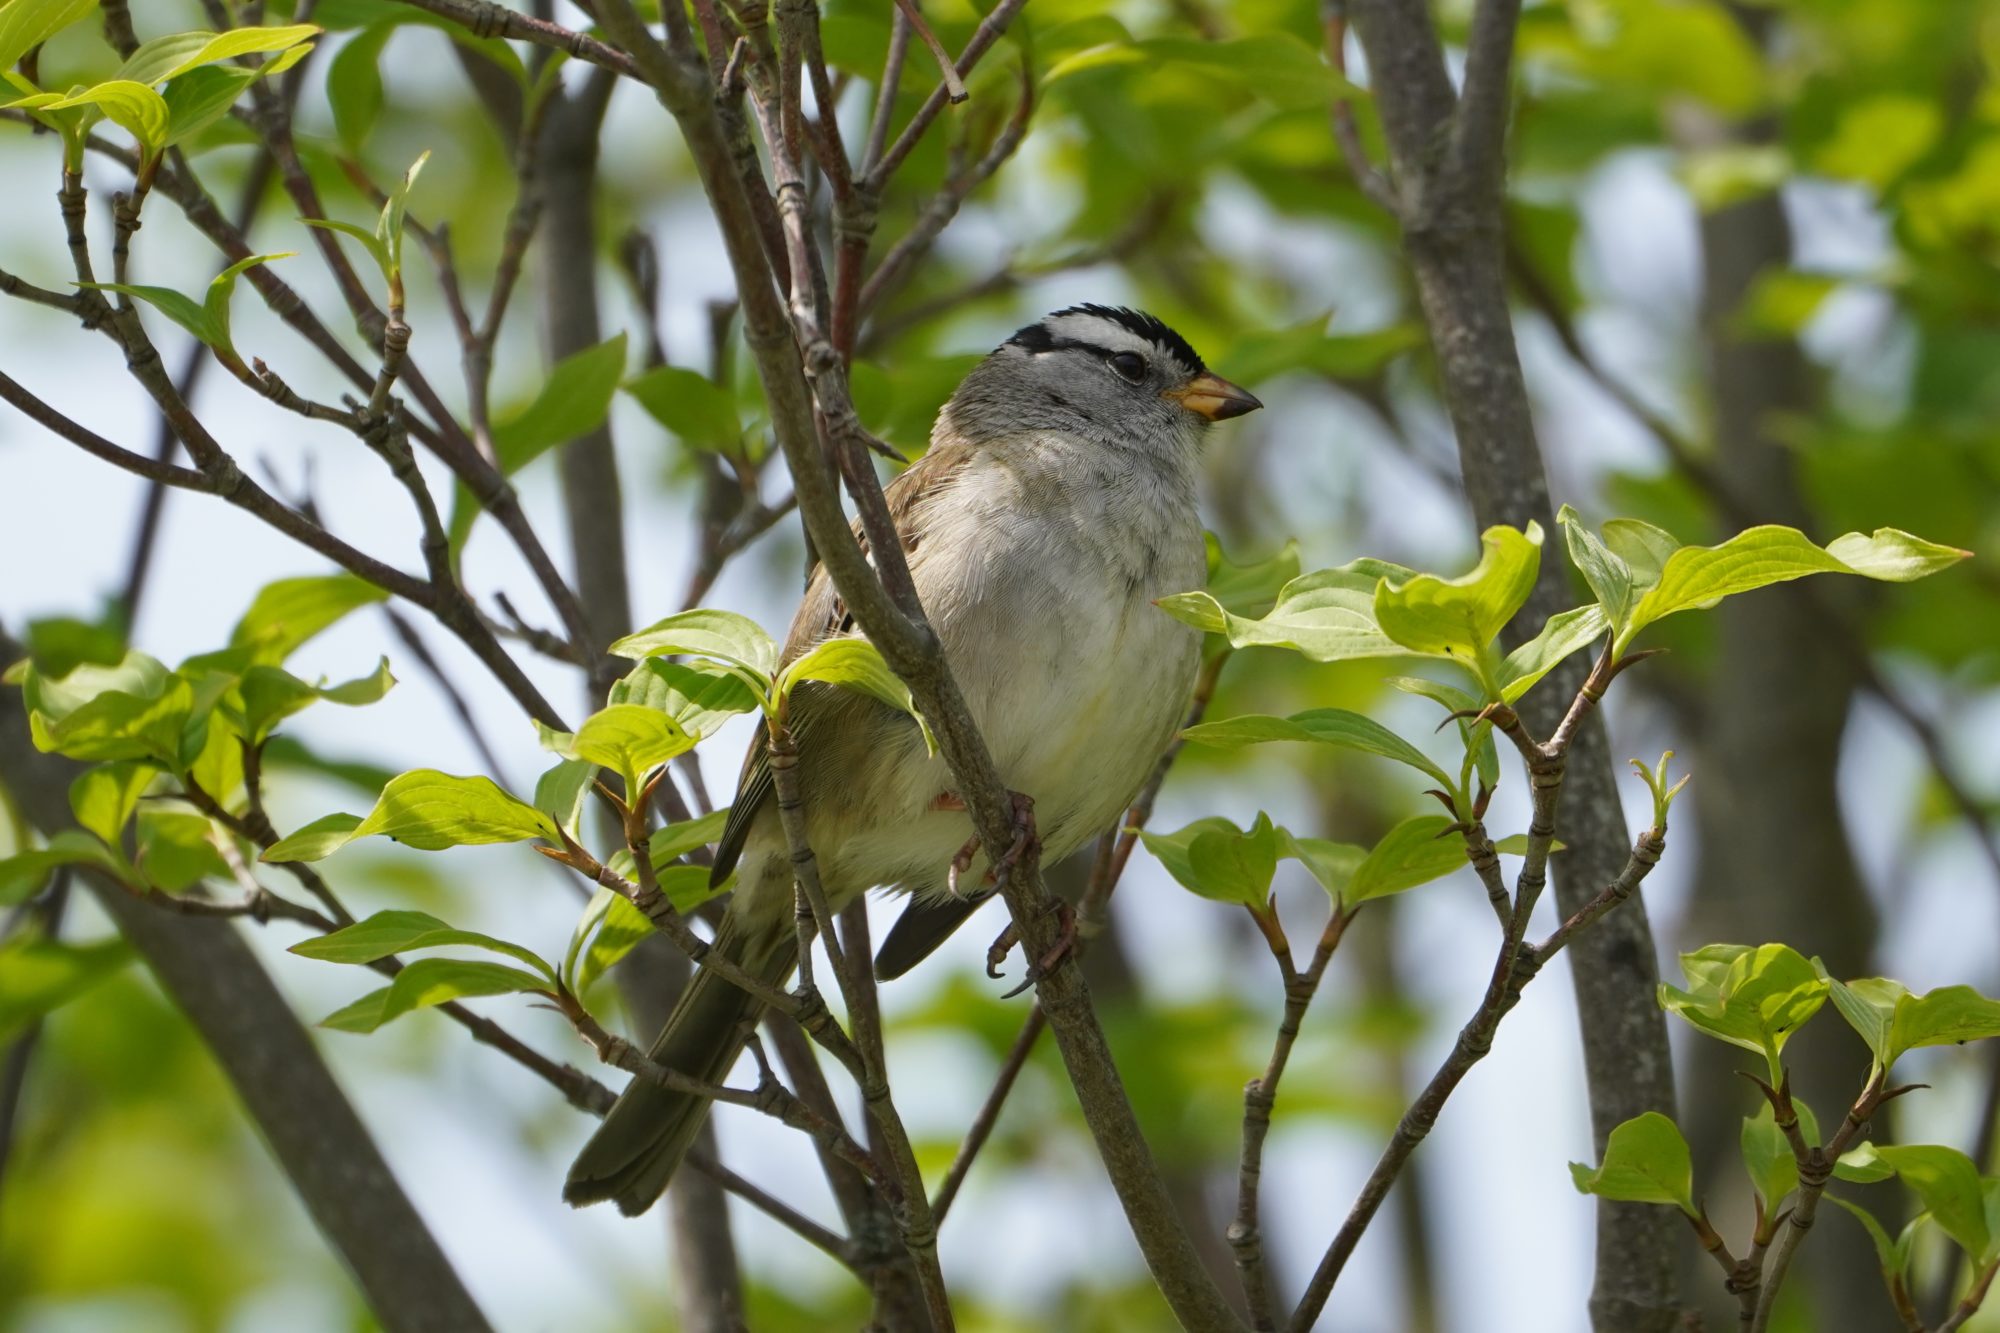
[{"x": 1108, "y": 373}]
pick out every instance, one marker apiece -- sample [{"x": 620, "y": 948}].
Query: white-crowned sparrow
[{"x": 1057, "y": 501}]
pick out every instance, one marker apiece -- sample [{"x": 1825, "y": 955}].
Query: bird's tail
[{"x": 636, "y": 1150}]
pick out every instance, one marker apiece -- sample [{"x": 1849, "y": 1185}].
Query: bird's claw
[
  {"x": 996, "y": 878},
  {"x": 1064, "y": 946}
]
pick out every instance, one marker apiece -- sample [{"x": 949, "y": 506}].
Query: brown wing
[{"x": 822, "y": 615}]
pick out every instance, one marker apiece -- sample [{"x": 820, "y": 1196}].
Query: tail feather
[{"x": 635, "y": 1152}]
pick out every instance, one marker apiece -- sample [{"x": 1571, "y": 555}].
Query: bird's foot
[
  {"x": 1064, "y": 947},
  {"x": 1024, "y": 837}
]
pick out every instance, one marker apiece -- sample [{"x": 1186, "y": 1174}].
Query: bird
[{"x": 1056, "y": 503}]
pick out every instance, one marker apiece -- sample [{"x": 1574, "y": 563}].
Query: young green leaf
[
  {"x": 23, "y": 874},
  {"x": 118, "y": 725},
  {"x": 104, "y": 798},
  {"x": 699, "y": 411},
  {"x": 1768, "y": 1155},
  {"x": 133, "y": 107},
  {"x": 559, "y": 792},
  {"x": 432, "y": 981},
  {"x": 853, "y": 664},
  {"x": 1459, "y": 618},
  {"x": 315, "y": 841},
  {"x": 1331, "y": 864},
  {"x": 271, "y": 694},
  {"x": 1414, "y": 852},
  {"x": 1753, "y": 998},
  {"x": 368, "y": 240},
  {"x": 176, "y": 850},
  {"x": 26, "y": 24},
  {"x": 1328, "y": 726},
  {"x": 573, "y": 401},
  {"x": 721, "y": 635},
  {"x": 1249, "y": 590},
  {"x": 1215, "y": 859},
  {"x": 1948, "y": 1183},
  {"x": 387, "y": 933},
  {"x": 429, "y": 811},
  {"x": 1327, "y": 615},
  {"x": 1645, "y": 1161},
  {"x": 1609, "y": 577},
  {"x": 354, "y": 84},
  {"x": 1645, "y": 549},
  {"x": 1892, "y": 1255},
  {"x": 697, "y": 696},
  {"x": 1562, "y": 634},
  {"x": 1694, "y": 577},
  {"x": 287, "y": 613},
  {"x": 38, "y": 975},
  {"x": 1892, "y": 1021},
  {"x": 201, "y": 97},
  {"x": 629, "y": 739}
]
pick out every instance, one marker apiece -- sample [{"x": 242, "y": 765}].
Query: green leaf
[
  {"x": 1753, "y": 998},
  {"x": 854, "y": 664},
  {"x": 315, "y": 841},
  {"x": 216, "y": 303},
  {"x": 1249, "y": 590},
  {"x": 721, "y": 635},
  {"x": 39, "y": 975},
  {"x": 572, "y": 402},
  {"x": 432, "y": 981},
  {"x": 182, "y": 310},
  {"x": 133, "y": 107},
  {"x": 1331, "y": 864},
  {"x": 1645, "y": 1161},
  {"x": 619, "y": 926},
  {"x": 1328, "y": 726},
  {"x": 23, "y": 874},
  {"x": 1416, "y": 851},
  {"x": 1695, "y": 577},
  {"x": 354, "y": 84},
  {"x": 60, "y": 644},
  {"x": 1892, "y": 1021},
  {"x": 623, "y": 929},
  {"x": 287, "y": 613},
  {"x": 629, "y": 739},
  {"x": 177, "y": 54},
  {"x": 696, "y": 409},
  {"x": 103, "y": 798},
  {"x": 1859, "y": 1165},
  {"x": 1948, "y": 1183},
  {"x": 26, "y": 24},
  {"x": 1609, "y": 577},
  {"x": 698, "y": 696},
  {"x": 429, "y": 811},
  {"x": 1328, "y": 615},
  {"x": 1562, "y": 634},
  {"x": 176, "y": 850},
  {"x": 559, "y": 792},
  {"x": 116, "y": 725},
  {"x": 203, "y": 96},
  {"x": 1768, "y": 1157},
  {"x": 1459, "y": 618},
  {"x": 271, "y": 694},
  {"x": 368, "y": 240},
  {"x": 1880, "y": 138},
  {"x": 1215, "y": 859},
  {"x": 1645, "y": 549},
  {"x": 1892, "y": 1255},
  {"x": 387, "y": 933},
  {"x": 389, "y": 228}
]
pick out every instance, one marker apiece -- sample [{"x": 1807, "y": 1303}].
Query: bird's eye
[{"x": 1130, "y": 366}]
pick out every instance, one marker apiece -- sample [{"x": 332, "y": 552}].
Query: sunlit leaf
[{"x": 1645, "y": 1161}]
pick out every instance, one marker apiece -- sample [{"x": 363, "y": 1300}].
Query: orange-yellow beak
[{"x": 1213, "y": 397}]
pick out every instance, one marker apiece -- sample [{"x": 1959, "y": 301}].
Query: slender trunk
[
  {"x": 1775, "y": 863},
  {"x": 1447, "y": 154}
]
